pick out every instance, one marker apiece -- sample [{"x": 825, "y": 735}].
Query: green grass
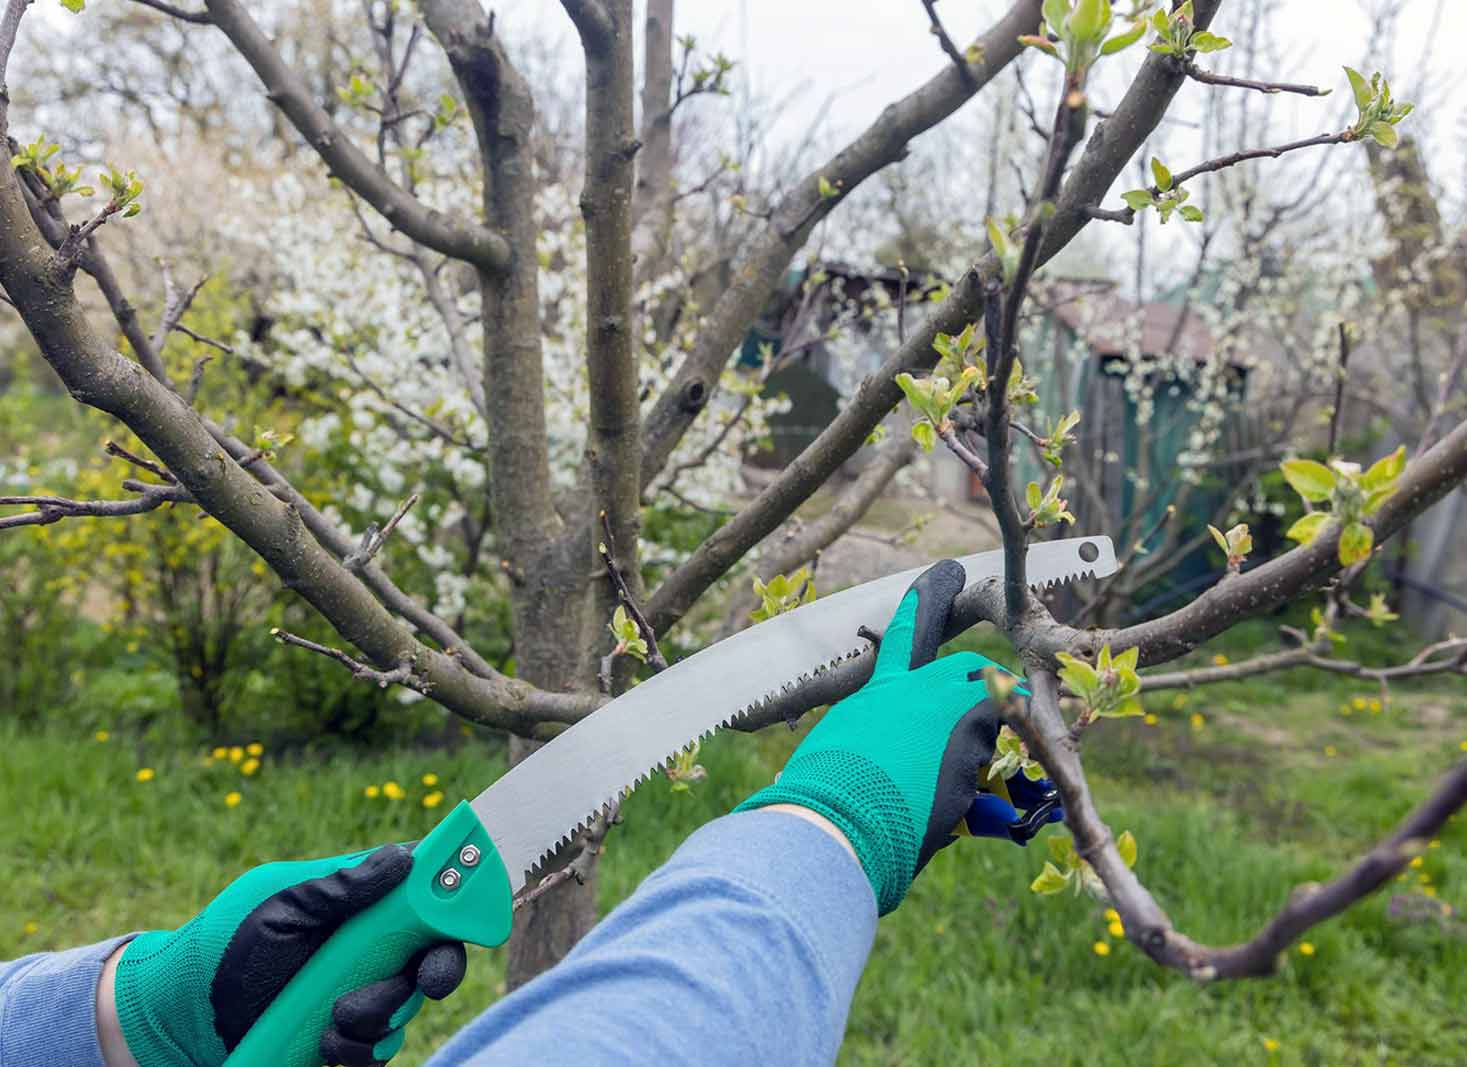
[{"x": 973, "y": 968}]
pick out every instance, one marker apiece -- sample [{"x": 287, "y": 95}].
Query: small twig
[
  {"x": 970, "y": 458},
  {"x": 112, "y": 448},
  {"x": 196, "y": 379},
  {"x": 592, "y": 843},
  {"x": 228, "y": 350},
  {"x": 959, "y": 60},
  {"x": 1125, "y": 216},
  {"x": 49, "y": 509},
  {"x": 902, "y": 303},
  {"x": 1196, "y": 73},
  {"x": 200, "y": 18},
  {"x": 608, "y": 556},
  {"x": 74, "y": 246},
  {"x": 1334, "y": 418},
  {"x": 373, "y": 539},
  {"x": 403, "y": 675}
]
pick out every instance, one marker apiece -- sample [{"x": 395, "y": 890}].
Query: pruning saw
[{"x": 467, "y": 871}]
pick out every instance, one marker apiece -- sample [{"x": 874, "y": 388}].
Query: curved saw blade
[{"x": 541, "y": 803}]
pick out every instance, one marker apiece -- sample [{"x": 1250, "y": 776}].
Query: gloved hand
[
  {"x": 186, "y": 997},
  {"x": 895, "y": 765},
  {"x": 991, "y": 813}
]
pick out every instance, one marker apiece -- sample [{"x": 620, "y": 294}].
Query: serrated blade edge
[{"x": 541, "y": 803}]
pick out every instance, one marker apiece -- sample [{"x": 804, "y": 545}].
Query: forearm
[
  {"x": 109, "y": 1030},
  {"x": 758, "y": 917},
  {"x": 49, "y": 1008}
]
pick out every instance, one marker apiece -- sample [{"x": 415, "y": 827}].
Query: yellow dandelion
[
  {"x": 1101, "y": 948},
  {"x": 1270, "y": 1044},
  {"x": 1463, "y": 746},
  {"x": 1112, "y": 916},
  {"x": 1435, "y": 844},
  {"x": 132, "y": 646},
  {"x": 231, "y": 800},
  {"x": 1417, "y": 861},
  {"x": 1198, "y": 722},
  {"x": 372, "y": 792},
  {"x": 1179, "y": 701},
  {"x": 1429, "y": 890},
  {"x": 939, "y": 929},
  {"x": 1424, "y": 878},
  {"x": 430, "y": 779},
  {"x": 1306, "y": 948},
  {"x": 433, "y": 799},
  {"x": 254, "y": 748},
  {"x": 1150, "y": 720},
  {"x": 146, "y": 774},
  {"x": 102, "y": 736},
  {"x": 1219, "y": 660},
  {"x": 236, "y": 754},
  {"x": 1360, "y": 703},
  {"x": 249, "y": 766},
  {"x": 1375, "y": 707},
  {"x": 1331, "y": 751},
  {"x": 1115, "y": 929},
  {"x": 31, "y": 928},
  {"x": 393, "y": 791},
  {"x": 220, "y": 753}
]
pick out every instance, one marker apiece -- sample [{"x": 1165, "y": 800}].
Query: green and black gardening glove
[
  {"x": 895, "y": 765},
  {"x": 186, "y": 997}
]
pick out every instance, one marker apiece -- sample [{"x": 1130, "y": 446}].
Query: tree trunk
[{"x": 546, "y": 929}]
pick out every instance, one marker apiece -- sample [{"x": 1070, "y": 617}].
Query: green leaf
[
  {"x": 1313, "y": 481},
  {"x": 925, "y": 434},
  {"x": 1375, "y": 499},
  {"x": 1034, "y": 496},
  {"x": 1222, "y": 542},
  {"x": 1126, "y": 709},
  {"x": 1355, "y": 543},
  {"x": 1051, "y": 880},
  {"x": 1202, "y": 41},
  {"x": 1191, "y": 213},
  {"x": 1307, "y": 528},
  {"x": 827, "y": 190},
  {"x": 1161, "y": 174},
  {"x": 1384, "y": 471},
  {"x": 1090, "y": 19},
  {"x": 1361, "y": 88},
  {"x": 74, "y": 6},
  {"x": 1063, "y": 851},
  {"x": 998, "y": 238},
  {"x": 1139, "y": 199},
  {"x": 1126, "y": 846},
  {"x": 1056, "y": 14},
  {"x": 1124, "y": 39},
  {"x": 1044, "y": 44},
  {"x": 1384, "y": 134}
]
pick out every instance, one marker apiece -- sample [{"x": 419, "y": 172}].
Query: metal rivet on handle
[
  {"x": 469, "y": 855},
  {"x": 450, "y": 878},
  {"x": 1089, "y": 552}
]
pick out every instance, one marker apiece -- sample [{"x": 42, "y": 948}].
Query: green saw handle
[{"x": 458, "y": 890}]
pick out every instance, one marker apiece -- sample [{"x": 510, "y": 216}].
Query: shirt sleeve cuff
[{"x": 48, "y": 1008}]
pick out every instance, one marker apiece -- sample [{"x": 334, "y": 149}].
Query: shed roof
[{"x": 1107, "y": 322}]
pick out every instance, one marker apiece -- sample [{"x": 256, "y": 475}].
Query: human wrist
[
  {"x": 114, "y": 1048},
  {"x": 814, "y": 818}
]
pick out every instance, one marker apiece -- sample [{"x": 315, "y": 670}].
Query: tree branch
[
  {"x": 402, "y": 675},
  {"x": 623, "y": 590},
  {"x": 959, "y": 60},
  {"x": 766, "y": 256},
  {"x": 49, "y": 509},
  {"x": 373, "y": 539},
  {"x": 1197, "y": 74},
  {"x": 199, "y": 18},
  {"x": 461, "y": 239},
  {"x": 1105, "y": 156},
  {"x": 9, "y": 27}
]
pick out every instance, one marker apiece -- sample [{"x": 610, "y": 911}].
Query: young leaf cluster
[
  {"x": 1379, "y": 114},
  {"x": 123, "y": 189},
  {"x": 783, "y": 593},
  {"x": 1109, "y": 689},
  {"x": 1236, "y": 543},
  {"x": 685, "y": 769},
  {"x": 1066, "y": 868},
  {"x": 57, "y": 177},
  {"x": 1056, "y": 436},
  {"x": 1166, "y": 196},
  {"x": 1177, "y": 35},
  {"x": 629, "y": 639},
  {"x": 1011, "y": 757},
  {"x": 1352, "y": 496},
  {"x": 1046, "y": 506},
  {"x": 1077, "y": 32}
]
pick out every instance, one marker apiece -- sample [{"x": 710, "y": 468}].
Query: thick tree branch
[
  {"x": 652, "y": 199},
  {"x": 461, "y": 239},
  {"x": 765, "y": 258}
]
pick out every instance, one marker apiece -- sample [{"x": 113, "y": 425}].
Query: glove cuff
[
  {"x": 864, "y": 804},
  {"x": 156, "y": 1027}
]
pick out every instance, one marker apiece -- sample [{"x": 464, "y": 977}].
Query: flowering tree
[{"x": 563, "y": 423}]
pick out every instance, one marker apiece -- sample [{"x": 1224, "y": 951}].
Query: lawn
[{"x": 1274, "y": 785}]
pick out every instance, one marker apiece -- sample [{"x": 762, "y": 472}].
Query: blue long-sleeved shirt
[{"x": 745, "y": 947}]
